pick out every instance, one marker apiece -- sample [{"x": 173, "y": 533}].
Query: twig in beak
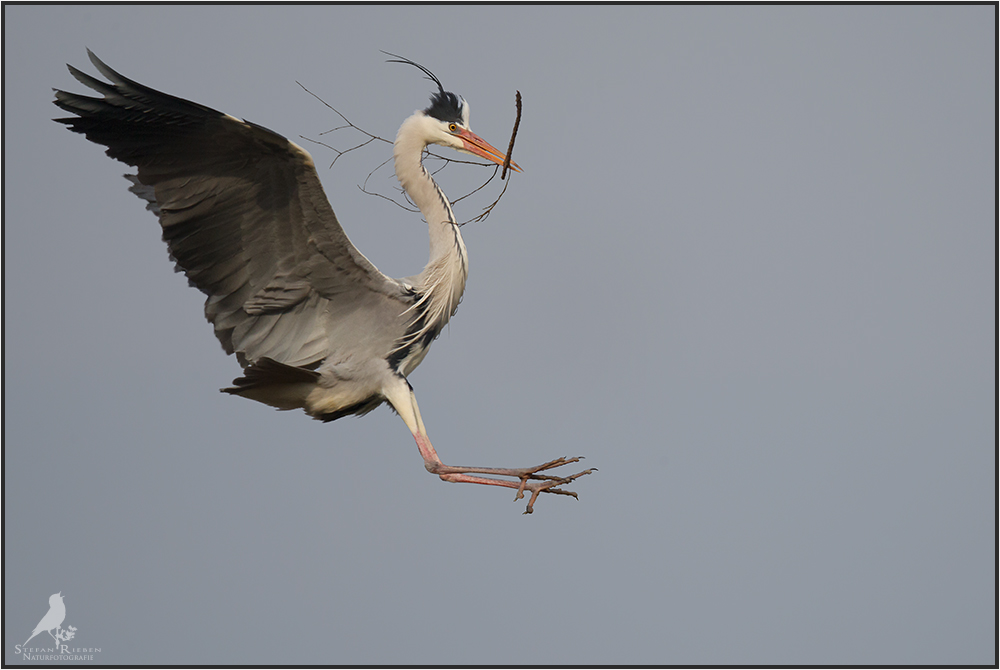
[{"x": 510, "y": 148}]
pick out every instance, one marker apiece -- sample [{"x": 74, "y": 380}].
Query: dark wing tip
[{"x": 125, "y": 97}]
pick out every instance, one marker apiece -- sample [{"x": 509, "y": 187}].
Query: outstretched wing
[{"x": 243, "y": 214}]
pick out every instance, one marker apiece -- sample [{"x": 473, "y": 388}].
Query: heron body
[{"x": 313, "y": 322}]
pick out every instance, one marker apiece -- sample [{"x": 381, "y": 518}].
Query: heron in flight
[{"x": 313, "y": 322}]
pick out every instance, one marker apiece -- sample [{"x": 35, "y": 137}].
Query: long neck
[{"x": 442, "y": 281}]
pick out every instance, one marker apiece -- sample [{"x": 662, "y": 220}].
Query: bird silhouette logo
[{"x": 52, "y": 621}]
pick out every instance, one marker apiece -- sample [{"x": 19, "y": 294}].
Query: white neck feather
[{"x": 442, "y": 281}]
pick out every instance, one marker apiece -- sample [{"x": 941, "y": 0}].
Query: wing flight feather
[{"x": 243, "y": 214}]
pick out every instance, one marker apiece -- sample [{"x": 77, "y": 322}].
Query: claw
[
  {"x": 548, "y": 486},
  {"x": 531, "y": 473}
]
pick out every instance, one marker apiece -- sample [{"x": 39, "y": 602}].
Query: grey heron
[{"x": 314, "y": 324}]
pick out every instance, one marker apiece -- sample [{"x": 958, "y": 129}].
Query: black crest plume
[{"x": 445, "y": 105}]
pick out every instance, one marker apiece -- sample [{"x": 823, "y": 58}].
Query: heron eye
[{"x": 452, "y": 127}]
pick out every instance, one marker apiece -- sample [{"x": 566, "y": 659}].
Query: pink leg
[{"x": 528, "y": 479}]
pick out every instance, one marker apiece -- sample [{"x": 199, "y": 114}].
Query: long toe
[{"x": 548, "y": 486}]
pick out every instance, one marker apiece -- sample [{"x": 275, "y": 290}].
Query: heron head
[{"x": 447, "y": 121}]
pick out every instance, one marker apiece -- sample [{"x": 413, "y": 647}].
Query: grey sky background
[{"x": 748, "y": 272}]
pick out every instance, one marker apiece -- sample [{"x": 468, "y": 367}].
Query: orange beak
[{"x": 475, "y": 144}]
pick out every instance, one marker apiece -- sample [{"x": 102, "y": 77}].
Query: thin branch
[
  {"x": 371, "y": 138},
  {"x": 364, "y": 189},
  {"x": 489, "y": 209},
  {"x": 484, "y": 185},
  {"x": 346, "y": 120},
  {"x": 338, "y": 151}
]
